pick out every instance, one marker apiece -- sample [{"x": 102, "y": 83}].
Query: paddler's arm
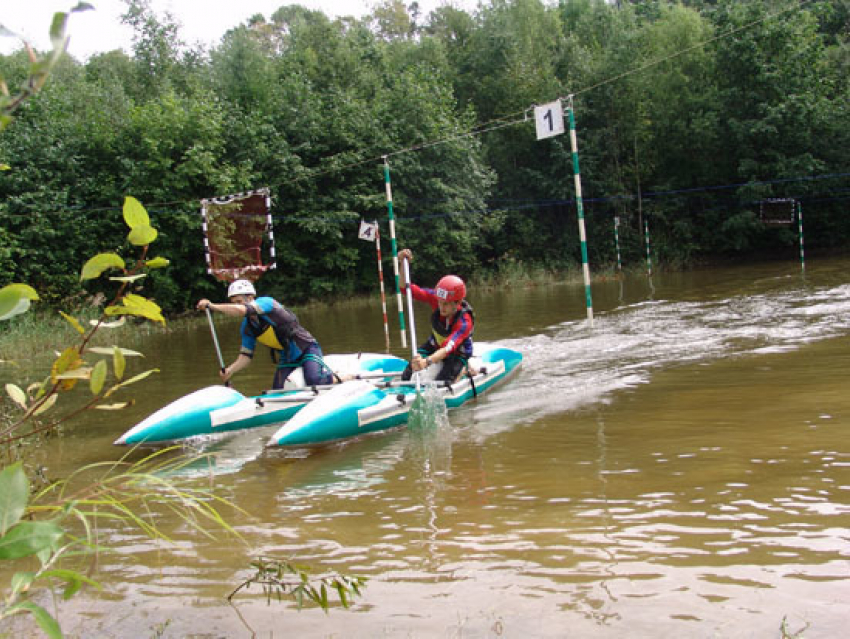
[
  {"x": 234, "y": 310},
  {"x": 241, "y": 362}
]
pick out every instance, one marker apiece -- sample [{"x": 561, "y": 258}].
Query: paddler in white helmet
[{"x": 269, "y": 322}]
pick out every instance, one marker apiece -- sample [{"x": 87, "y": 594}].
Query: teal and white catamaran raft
[
  {"x": 374, "y": 400},
  {"x": 359, "y": 407},
  {"x": 219, "y": 409}
]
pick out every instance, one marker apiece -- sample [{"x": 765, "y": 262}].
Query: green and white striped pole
[
  {"x": 395, "y": 252},
  {"x": 648, "y": 255},
  {"x": 800, "y": 231},
  {"x": 617, "y": 241},
  {"x": 580, "y": 206}
]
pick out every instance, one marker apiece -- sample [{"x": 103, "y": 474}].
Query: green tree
[
  {"x": 392, "y": 20},
  {"x": 777, "y": 100}
]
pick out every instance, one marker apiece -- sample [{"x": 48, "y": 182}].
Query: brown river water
[{"x": 680, "y": 469}]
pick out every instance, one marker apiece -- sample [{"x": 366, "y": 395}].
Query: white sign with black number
[
  {"x": 549, "y": 119},
  {"x": 368, "y": 230}
]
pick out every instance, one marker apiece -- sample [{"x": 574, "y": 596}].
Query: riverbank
[{"x": 30, "y": 340}]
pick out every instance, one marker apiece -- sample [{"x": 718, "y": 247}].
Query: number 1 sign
[{"x": 549, "y": 119}]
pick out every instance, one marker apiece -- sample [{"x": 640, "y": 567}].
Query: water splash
[
  {"x": 428, "y": 411},
  {"x": 430, "y": 433}
]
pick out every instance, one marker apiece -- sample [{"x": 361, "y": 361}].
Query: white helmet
[{"x": 241, "y": 287}]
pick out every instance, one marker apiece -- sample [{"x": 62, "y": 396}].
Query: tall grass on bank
[
  {"x": 29, "y": 341},
  {"x": 517, "y": 274}
]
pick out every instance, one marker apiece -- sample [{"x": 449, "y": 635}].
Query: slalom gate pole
[
  {"x": 395, "y": 251},
  {"x": 270, "y": 230},
  {"x": 412, "y": 324},
  {"x": 383, "y": 295},
  {"x": 617, "y": 242},
  {"x": 580, "y": 207},
  {"x": 648, "y": 256},
  {"x": 800, "y": 231}
]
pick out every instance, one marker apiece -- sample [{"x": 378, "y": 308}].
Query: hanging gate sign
[
  {"x": 549, "y": 120},
  {"x": 777, "y": 211},
  {"x": 237, "y": 232},
  {"x": 368, "y": 231}
]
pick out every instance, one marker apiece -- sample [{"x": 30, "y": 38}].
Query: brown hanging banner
[{"x": 237, "y": 231}]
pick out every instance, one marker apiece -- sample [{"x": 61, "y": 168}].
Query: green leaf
[
  {"x": 135, "y": 214},
  {"x": 46, "y": 406},
  {"x": 14, "y": 495},
  {"x": 27, "y": 538},
  {"x": 128, "y": 278},
  {"x": 100, "y": 350},
  {"x": 98, "y": 377},
  {"x": 37, "y": 390},
  {"x": 82, "y": 6},
  {"x": 118, "y": 406},
  {"x": 57, "y": 30},
  {"x": 81, "y": 372},
  {"x": 138, "y": 306},
  {"x": 62, "y": 370},
  {"x": 15, "y": 299},
  {"x": 20, "y": 308},
  {"x": 18, "y": 396},
  {"x": 72, "y": 578},
  {"x": 132, "y": 380},
  {"x": 69, "y": 358},
  {"x": 118, "y": 362},
  {"x": 21, "y": 581},
  {"x": 142, "y": 235},
  {"x": 22, "y": 290},
  {"x": 157, "y": 262},
  {"x": 343, "y": 595},
  {"x": 47, "y": 623},
  {"x": 73, "y": 322},
  {"x": 44, "y": 555},
  {"x": 100, "y": 263}
]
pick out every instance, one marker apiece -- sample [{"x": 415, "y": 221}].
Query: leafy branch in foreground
[
  {"x": 40, "y": 69},
  {"x": 38, "y": 530},
  {"x": 282, "y": 578},
  {"x": 70, "y": 367}
]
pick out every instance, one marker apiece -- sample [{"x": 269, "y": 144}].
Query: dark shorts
[{"x": 315, "y": 373}]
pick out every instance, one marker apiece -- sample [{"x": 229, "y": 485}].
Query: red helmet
[{"x": 451, "y": 288}]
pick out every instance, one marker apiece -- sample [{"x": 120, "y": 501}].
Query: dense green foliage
[{"x": 688, "y": 115}]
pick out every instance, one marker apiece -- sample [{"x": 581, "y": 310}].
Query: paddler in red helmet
[{"x": 452, "y": 323}]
